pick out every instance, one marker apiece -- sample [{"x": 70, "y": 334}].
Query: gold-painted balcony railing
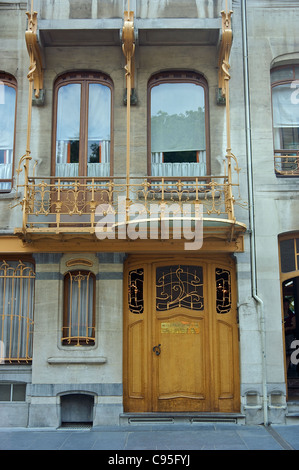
[
  {"x": 54, "y": 205},
  {"x": 287, "y": 163}
]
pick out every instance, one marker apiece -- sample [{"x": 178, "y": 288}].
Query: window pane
[
  {"x": 287, "y": 256},
  {"x": 177, "y": 117},
  {"x": 68, "y": 130},
  {"x": 290, "y": 138},
  {"x": 179, "y": 157},
  {"x": 5, "y": 392},
  {"x": 7, "y": 126},
  {"x": 99, "y": 119},
  {"x": 179, "y": 286},
  {"x": 19, "y": 392},
  {"x": 285, "y": 118},
  {"x": 284, "y": 73},
  {"x": 285, "y": 107},
  {"x": 78, "y": 328}
]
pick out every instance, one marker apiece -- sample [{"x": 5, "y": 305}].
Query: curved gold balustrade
[{"x": 54, "y": 205}]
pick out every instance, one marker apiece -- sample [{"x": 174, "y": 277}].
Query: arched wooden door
[{"x": 180, "y": 336}]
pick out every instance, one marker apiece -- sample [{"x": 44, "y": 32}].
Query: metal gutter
[{"x": 251, "y": 213}]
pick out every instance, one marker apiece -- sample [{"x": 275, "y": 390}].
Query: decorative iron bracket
[
  {"x": 36, "y": 73},
  {"x": 128, "y": 38},
  {"x": 128, "y": 48},
  {"x": 224, "y": 53}
]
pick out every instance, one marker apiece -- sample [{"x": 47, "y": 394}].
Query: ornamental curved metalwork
[{"x": 179, "y": 286}]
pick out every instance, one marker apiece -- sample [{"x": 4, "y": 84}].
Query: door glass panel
[
  {"x": 135, "y": 291},
  {"x": 68, "y": 130},
  {"x": 223, "y": 291},
  {"x": 179, "y": 286},
  {"x": 99, "y": 130}
]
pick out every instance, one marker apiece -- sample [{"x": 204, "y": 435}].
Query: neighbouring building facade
[{"x": 149, "y": 223}]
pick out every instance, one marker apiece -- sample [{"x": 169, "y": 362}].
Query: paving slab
[
  {"x": 289, "y": 434},
  {"x": 195, "y": 437}
]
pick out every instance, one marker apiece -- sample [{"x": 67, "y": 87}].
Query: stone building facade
[{"x": 103, "y": 323}]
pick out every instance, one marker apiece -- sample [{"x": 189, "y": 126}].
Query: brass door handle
[{"x": 157, "y": 349}]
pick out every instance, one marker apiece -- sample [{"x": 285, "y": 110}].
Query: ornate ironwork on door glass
[
  {"x": 223, "y": 290},
  {"x": 179, "y": 286},
  {"x": 135, "y": 291}
]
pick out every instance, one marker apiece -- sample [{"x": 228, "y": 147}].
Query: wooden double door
[{"x": 181, "y": 347}]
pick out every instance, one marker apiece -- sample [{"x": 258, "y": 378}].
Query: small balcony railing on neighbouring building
[{"x": 286, "y": 163}]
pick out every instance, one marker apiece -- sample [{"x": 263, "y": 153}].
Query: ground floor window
[
  {"x": 79, "y": 309},
  {"x": 16, "y": 310},
  {"x": 12, "y": 392}
]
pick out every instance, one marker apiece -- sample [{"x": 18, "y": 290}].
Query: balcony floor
[{"x": 218, "y": 235}]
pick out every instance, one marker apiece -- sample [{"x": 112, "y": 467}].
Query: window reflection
[
  {"x": 83, "y": 129},
  {"x": 178, "y": 130},
  {"x": 285, "y": 110},
  {"x": 99, "y": 118},
  {"x": 68, "y": 129},
  {"x": 7, "y": 128},
  {"x": 285, "y": 117}
]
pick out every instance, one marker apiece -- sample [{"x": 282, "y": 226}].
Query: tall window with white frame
[
  {"x": 8, "y": 98},
  {"x": 285, "y": 109}
]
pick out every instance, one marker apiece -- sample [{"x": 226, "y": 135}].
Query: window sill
[
  {"x": 286, "y": 175},
  {"x": 10, "y": 195},
  {"x": 77, "y": 360}
]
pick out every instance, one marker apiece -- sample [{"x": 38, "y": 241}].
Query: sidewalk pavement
[{"x": 199, "y": 436}]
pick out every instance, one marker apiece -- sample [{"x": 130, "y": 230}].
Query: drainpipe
[{"x": 251, "y": 213}]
